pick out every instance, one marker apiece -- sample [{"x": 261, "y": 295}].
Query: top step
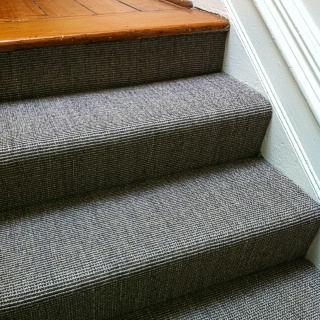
[
  {"x": 38, "y": 23},
  {"x": 52, "y": 48}
]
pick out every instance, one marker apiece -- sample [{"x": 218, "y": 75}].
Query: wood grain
[
  {"x": 112, "y": 27},
  {"x": 182, "y": 3},
  {"x": 19, "y": 9},
  {"x": 148, "y": 5},
  {"x": 106, "y": 6},
  {"x": 40, "y": 23},
  {"x": 63, "y": 8}
]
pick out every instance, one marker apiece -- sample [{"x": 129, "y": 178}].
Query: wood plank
[
  {"x": 19, "y": 9},
  {"x": 63, "y": 8},
  {"x": 106, "y": 6},
  {"x": 182, "y": 3},
  {"x": 101, "y": 28},
  {"x": 149, "y": 5}
]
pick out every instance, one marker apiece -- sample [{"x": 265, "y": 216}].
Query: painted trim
[
  {"x": 273, "y": 97},
  {"x": 296, "y": 36}
]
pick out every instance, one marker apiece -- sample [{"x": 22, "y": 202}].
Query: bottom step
[
  {"x": 288, "y": 291},
  {"x": 110, "y": 253}
]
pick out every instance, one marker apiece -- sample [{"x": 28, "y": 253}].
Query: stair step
[
  {"x": 112, "y": 252},
  {"x": 58, "y": 23},
  {"x": 70, "y": 69},
  {"x": 65, "y": 52},
  {"x": 60, "y": 146},
  {"x": 288, "y": 291}
]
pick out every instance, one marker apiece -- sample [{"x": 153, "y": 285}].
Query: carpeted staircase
[{"x": 132, "y": 188}]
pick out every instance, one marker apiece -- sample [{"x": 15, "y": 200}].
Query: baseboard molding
[
  {"x": 297, "y": 37},
  {"x": 272, "y": 94},
  {"x": 287, "y": 144},
  {"x": 291, "y": 145}
]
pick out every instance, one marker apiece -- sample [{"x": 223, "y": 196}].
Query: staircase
[{"x": 132, "y": 185}]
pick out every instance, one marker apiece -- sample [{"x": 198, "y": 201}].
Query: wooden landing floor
[{"x": 38, "y": 23}]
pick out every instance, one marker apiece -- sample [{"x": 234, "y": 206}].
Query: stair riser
[
  {"x": 69, "y": 69},
  {"x": 122, "y": 160},
  {"x": 172, "y": 279},
  {"x": 291, "y": 289}
]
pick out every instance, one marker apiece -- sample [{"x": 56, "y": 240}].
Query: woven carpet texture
[
  {"x": 68, "y": 69},
  {"x": 287, "y": 292},
  {"x": 110, "y": 253},
  {"x": 67, "y": 145},
  {"x": 132, "y": 187}
]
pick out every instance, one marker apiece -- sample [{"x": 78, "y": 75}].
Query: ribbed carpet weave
[
  {"x": 74, "y": 144},
  {"x": 102, "y": 255},
  {"x": 60, "y": 70},
  {"x": 132, "y": 187},
  {"x": 290, "y": 291}
]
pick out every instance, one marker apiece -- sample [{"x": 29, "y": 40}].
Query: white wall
[
  {"x": 313, "y": 7},
  {"x": 215, "y": 6},
  {"x": 253, "y": 57}
]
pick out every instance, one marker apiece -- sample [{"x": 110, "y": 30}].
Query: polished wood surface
[
  {"x": 105, "y": 7},
  {"x": 182, "y": 3},
  {"x": 65, "y": 8},
  {"x": 19, "y": 10},
  {"x": 39, "y": 23},
  {"x": 147, "y": 5}
]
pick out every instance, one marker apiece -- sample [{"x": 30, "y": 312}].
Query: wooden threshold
[{"x": 163, "y": 20}]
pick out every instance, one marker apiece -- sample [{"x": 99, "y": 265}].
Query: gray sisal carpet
[
  {"x": 115, "y": 200},
  {"x": 109, "y": 253},
  {"x": 287, "y": 292},
  {"x": 74, "y": 144},
  {"x": 68, "y": 69}
]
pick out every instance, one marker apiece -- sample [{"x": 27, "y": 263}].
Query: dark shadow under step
[
  {"x": 289, "y": 291},
  {"x": 112, "y": 252},
  {"x": 56, "y": 147}
]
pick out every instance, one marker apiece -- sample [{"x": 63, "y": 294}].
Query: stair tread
[
  {"x": 62, "y": 146},
  {"x": 43, "y": 125},
  {"x": 288, "y": 291},
  {"x": 81, "y": 242},
  {"x": 58, "y": 27}
]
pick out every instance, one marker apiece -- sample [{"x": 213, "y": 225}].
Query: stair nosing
[{"x": 100, "y": 138}]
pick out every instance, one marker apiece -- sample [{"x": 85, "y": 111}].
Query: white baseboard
[
  {"x": 297, "y": 38},
  {"x": 292, "y": 142},
  {"x": 283, "y": 92}
]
